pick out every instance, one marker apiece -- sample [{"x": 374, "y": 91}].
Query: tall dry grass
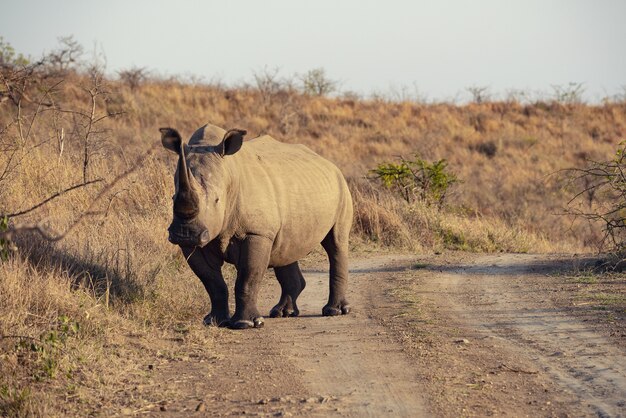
[
  {"x": 69, "y": 307},
  {"x": 384, "y": 219}
]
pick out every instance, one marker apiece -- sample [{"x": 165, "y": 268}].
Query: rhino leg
[
  {"x": 207, "y": 265},
  {"x": 292, "y": 283},
  {"x": 254, "y": 256},
  {"x": 336, "y": 246}
]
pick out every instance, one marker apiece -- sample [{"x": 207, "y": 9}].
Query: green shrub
[
  {"x": 5, "y": 244},
  {"x": 8, "y": 56},
  {"x": 417, "y": 179}
]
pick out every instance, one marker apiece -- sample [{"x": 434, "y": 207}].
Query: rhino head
[{"x": 201, "y": 181}]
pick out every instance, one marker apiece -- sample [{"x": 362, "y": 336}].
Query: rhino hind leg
[
  {"x": 336, "y": 246},
  {"x": 292, "y": 283}
]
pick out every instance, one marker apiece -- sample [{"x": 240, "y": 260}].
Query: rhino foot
[
  {"x": 284, "y": 310},
  {"x": 246, "y": 323},
  {"x": 333, "y": 310},
  {"x": 216, "y": 320}
]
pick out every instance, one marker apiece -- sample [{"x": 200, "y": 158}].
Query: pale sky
[{"x": 439, "y": 47}]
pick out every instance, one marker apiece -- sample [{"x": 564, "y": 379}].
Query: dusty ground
[
  {"x": 506, "y": 335},
  {"x": 466, "y": 335}
]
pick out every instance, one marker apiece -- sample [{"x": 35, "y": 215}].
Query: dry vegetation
[{"x": 71, "y": 310}]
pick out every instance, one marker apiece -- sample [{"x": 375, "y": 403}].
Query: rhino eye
[{"x": 217, "y": 199}]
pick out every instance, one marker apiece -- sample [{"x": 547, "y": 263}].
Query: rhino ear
[
  {"x": 232, "y": 142},
  {"x": 170, "y": 138}
]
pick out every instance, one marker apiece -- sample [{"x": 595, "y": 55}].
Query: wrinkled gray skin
[{"x": 256, "y": 205}]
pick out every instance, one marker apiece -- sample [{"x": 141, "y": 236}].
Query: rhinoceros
[{"x": 257, "y": 204}]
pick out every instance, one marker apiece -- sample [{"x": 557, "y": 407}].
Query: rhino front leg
[
  {"x": 292, "y": 283},
  {"x": 207, "y": 265},
  {"x": 253, "y": 260},
  {"x": 336, "y": 246}
]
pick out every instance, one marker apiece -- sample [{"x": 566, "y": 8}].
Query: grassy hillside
[{"x": 70, "y": 308}]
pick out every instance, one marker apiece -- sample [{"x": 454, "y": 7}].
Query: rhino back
[{"x": 289, "y": 194}]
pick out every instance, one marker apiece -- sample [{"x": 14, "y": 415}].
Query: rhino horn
[{"x": 187, "y": 201}]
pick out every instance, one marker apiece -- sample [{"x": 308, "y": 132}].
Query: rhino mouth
[{"x": 187, "y": 238}]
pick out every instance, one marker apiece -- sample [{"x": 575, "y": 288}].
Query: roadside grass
[
  {"x": 617, "y": 301},
  {"x": 586, "y": 279},
  {"x": 67, "y": 339},
  {"x": 384, "y": 219},
  {"x": 600, "y": 291}
]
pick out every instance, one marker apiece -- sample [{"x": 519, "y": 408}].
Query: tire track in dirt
[
  {"x": 352, "y": 358},
  {"x": 508, "y": 297}
]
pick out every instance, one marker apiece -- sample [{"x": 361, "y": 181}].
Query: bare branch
[
  {"x": 108, "y": 115},
  {"x": 603, "y": 184},
  {"x": 592, "y": 187},
  {"x": 51, "y": 236},
  {"x": 49, "y": 199}
]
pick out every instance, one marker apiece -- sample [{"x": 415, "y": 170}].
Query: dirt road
[{"x": 438, "y": 336}]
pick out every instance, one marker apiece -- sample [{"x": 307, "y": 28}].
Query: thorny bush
[{"x": 601, "y": 197}]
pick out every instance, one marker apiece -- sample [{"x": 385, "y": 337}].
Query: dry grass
[
  {"x": 382, "y": 218},
  {"x": 77, "y": 309}
]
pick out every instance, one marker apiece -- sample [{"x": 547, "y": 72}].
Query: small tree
[
  {"x": 480, "y": 94},
  {"x": 68, "y": 54},
  {"x": 316, "y": 83},
  {"x": 133, "y": 77},
  {"x": 88, "y": 122},
  {"x": 268, "y": 84},
  {"x": 417, "y": 179},
  {"x": 569, "y": 94}
]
